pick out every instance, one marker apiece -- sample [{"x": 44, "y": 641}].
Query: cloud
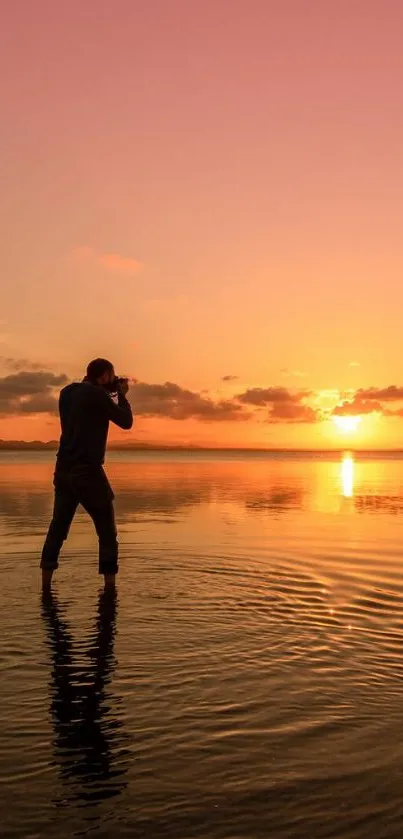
[
  {"x": 174, "y": 402},
  {"x": 115, "y": 263},
  {"x": 40, "y": 403},
  {"x": 354, "y": 364},
  {"x": 262, "y": 396},
  {"x": 119, "y": 264},
  {"x": 370, "y": 401},
  {"x": 170, "y": 400},
  {"x": 229, "y": 378},
  {"x": 293, "y": 412},
  {"x": 30, "y": 392},
  {"x": 357, "y": 406},
  {"x": 298, "y": 374},
  {"x": 21, "y": 364},
  {"x": 386, "y": 394},
  {"x": 284, "y": 406}
]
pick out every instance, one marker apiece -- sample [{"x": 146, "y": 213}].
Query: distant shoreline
[{"x": 52, "y": 445}]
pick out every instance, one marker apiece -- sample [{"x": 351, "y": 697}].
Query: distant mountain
[
  {"x": 51, "y": 445},
  {"x": 27, "y": 445},
  {"x": 134, "y": 445}
]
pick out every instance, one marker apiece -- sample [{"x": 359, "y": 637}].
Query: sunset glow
[
  {"x": 213, "y": 207},
  {"x": 347, "y": 424}
]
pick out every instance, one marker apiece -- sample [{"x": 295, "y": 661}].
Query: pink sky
[{"x": 198, "y": 188}]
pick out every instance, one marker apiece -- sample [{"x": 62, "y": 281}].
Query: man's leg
[
  {"x": 65, "y": 506},
  {"x": 103, "y": 517}
]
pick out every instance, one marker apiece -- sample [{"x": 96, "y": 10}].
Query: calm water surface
[{"x": 247, "y": 679}]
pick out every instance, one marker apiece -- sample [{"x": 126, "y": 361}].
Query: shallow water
[{"x": 247, "y": 680}]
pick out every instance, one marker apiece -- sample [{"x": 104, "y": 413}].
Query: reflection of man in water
[
  {"x": 86, "y": 408},
  {"x": 87, "y": 738}
]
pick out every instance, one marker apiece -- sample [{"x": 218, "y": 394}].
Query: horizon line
[{"x": 40, "y": 445}]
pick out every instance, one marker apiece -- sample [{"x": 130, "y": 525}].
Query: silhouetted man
[{"x": 85, "y": 409}]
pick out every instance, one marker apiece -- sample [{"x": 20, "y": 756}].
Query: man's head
[{"x": 100, "y": 372}]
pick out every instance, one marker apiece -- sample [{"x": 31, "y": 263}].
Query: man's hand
[{"x": 124, "y": 386}]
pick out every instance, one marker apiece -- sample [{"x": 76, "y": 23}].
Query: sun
[{"x": 347, "y": 424}]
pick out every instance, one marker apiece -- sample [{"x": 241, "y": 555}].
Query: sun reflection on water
[{"x": 347, "y": 476}]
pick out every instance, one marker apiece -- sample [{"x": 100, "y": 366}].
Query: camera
[{"x": 113, "y": 387}]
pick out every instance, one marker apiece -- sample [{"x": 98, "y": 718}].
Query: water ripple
[{"x": 245, "y": 681}]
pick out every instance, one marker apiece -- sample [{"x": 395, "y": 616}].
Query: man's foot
[
  {"x": 47, "y": 575},
  {"x": 110, "y": 582}
]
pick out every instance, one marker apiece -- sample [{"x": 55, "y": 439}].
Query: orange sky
[{"x": 204, "y": 189}]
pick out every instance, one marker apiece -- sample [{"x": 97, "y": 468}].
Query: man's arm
[{"x": 121, "y": 413}]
